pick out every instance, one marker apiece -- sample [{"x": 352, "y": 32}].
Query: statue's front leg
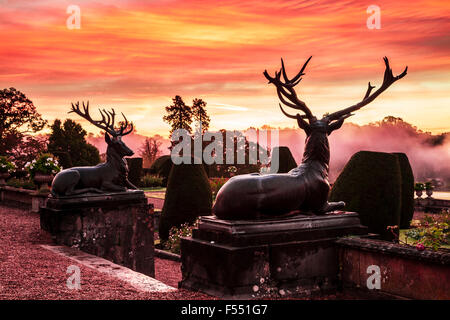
[{"x": 332, "y": 206}]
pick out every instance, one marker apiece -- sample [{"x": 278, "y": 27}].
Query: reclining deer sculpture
[
  {"x": 111, "y": 176},
  {"x": 305, "y": 188}
]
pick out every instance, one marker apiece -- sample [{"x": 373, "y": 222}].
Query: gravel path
[{"x": 28, "y": 271}]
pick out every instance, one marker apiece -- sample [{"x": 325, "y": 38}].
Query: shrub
[
  {"x": 45, "y": 164},
  {"x": 429, "y": 185},
  {"x": 151, "y": 181},
  {"x": 134, "y": 170},
  {"x": 173, "y": 242},
  {"x": 419, "y": 186},
  {"x": 207, "y": 169},
  {"x": 407, "y": 197},
  {"x": 20, "y": 173},
  {"x": 216, "y": 184},
  {"x": 232, "y": 169},
  {"x": 21, "y": 183},
  {"x": 161, "y": 167},
  {"x": 188, "y": 196},
  {"x": 371, "y": 185},
  {"x": 64, "y": 159},
  {"x": 70, "y": 137},
  {"x": 286, "y": 160},
  {"x": 6, "y": 166},
  {"x": 431, "y": 232}
]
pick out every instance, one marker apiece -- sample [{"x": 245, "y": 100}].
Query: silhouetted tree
[
  {"x": 179, "y": 115},
  {"x": 18, "y": 116},
  {"x": 28, "y": 149},
  {"x": 200, "y": 114},
  {"x": 70, "y": 139},
  {"x": 391, "y": 121},
  {"x": 149, "y": 151},
  {"x": 437, "y": 140}
]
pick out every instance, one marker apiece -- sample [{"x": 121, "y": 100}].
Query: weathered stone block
[
  {"x": 16, "y": 196},
  {"x": 242, "y": 259},
  {"x": 404, "y": 271},
  {"x": 117, "y": 226}
]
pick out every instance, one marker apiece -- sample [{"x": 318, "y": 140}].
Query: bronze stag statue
[
  {"x": 111, "y": 176},
  {"x": 305, "y": 188}
]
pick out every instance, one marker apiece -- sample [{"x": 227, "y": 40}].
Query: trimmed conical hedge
[
  {"x": 371, "y": 184},
  {"x": 286, "y": 160},
  {"x": 407, "y": 210},
  {"x": 161, "y": 166},
  {"x": 188, "y": 196},
  {"x": 134, "y": 170}
]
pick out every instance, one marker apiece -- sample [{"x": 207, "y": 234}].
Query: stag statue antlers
[
  {"x": 306, "y": 187},
  {"x": 111, "y": 176}
]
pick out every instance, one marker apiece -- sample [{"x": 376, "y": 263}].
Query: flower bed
[
  {"x": 175, "y": 234},
  {"x": 216, "y": 184},
  {"x": 430, "y": 231}
]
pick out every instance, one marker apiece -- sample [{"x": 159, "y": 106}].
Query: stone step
[{"x": 138, "y": 280}]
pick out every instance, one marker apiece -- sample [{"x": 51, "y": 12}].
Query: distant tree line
[{"x": 179, "y": 115}]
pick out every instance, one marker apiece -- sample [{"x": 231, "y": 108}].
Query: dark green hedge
[
  {"x": 407, "y": 191},
  {"x": 161, "y": 167},
  {"x": 188, "y": 196},
  {"x": 134, "y": 170},
  {"x": 371, "y": 184},
  {"x": 286, "y": 160}
]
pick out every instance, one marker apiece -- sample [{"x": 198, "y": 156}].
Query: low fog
[{"x": 428, "y": 154}]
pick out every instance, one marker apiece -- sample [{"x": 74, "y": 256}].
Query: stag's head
[
  {"x": 329, "y": 122},
  {"x": 113, "y": 136}
]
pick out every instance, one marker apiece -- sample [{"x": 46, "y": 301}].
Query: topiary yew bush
[
  {"x": 407, "y": 210},
  {"x": 134, "y": 170},
  {"x": 371, "y": 184},
  {"x": 188, "y": 196},
  {"x": 161, "y": 167},
  {"x": 286, "y": 160}
]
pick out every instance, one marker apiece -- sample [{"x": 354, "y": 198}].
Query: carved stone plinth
[
  {"x": 245, "y": 259},
  {"x": 115, "y": 226}
]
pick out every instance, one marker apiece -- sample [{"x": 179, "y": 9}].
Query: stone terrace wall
[
  {"x": 405, "y": 271},
  {"x": 117, "y": 227},
  {"x": 15, "y": 196}
]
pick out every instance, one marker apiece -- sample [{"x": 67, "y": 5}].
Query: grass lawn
[
  {"x": 161, "y": 189},
  {"x": 156, "y": 194}
]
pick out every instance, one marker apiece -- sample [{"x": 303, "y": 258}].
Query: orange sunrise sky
[{"x": 136, "y": 55}]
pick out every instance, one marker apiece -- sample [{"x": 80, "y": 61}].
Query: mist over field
[{"x": 428, "y": 154}]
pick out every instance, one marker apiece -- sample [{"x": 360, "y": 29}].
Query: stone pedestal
[
  {"x": 287, "y": 256},
  {"x": 116, "y": 226},
  {"x": 38, "y": 200}
]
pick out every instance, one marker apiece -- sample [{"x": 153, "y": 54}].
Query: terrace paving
[
  {"x": 31, "y": 268},
  {"x": 30, "y": 271}
]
